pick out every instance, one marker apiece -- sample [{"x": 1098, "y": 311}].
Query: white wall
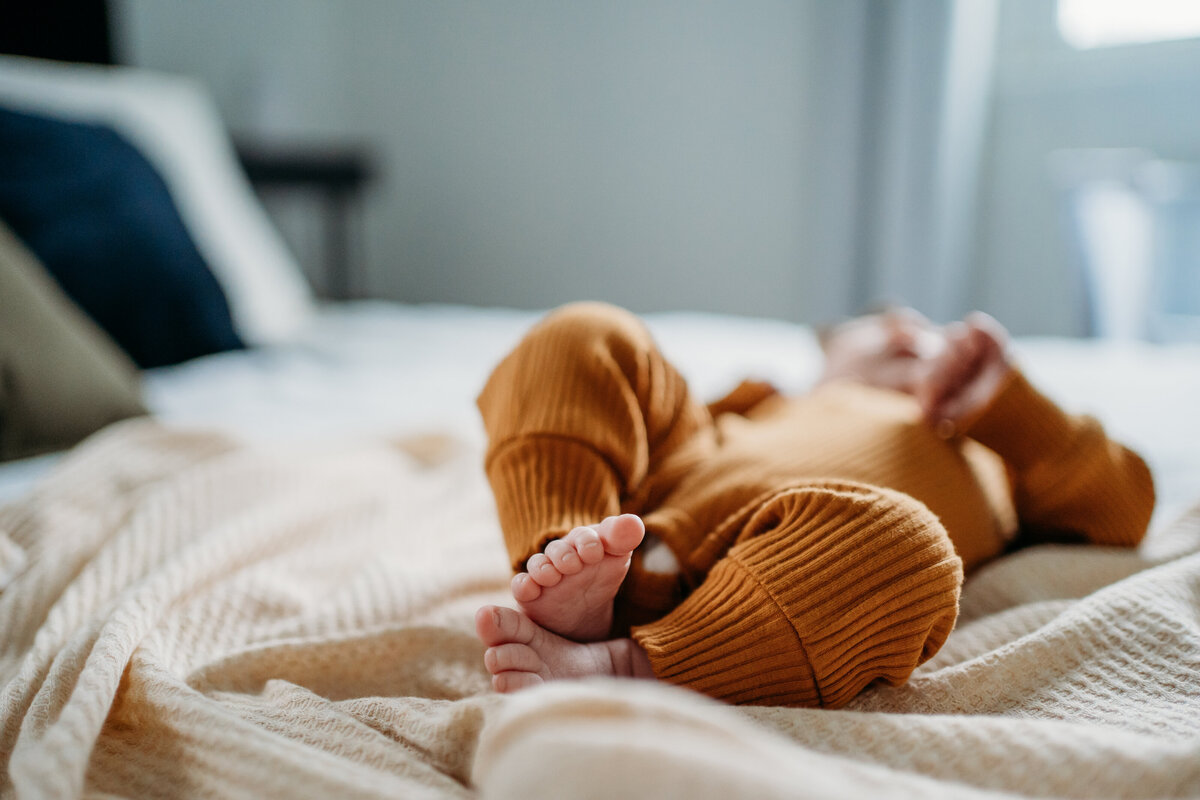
[
  {"x": 710, "y": 154},
  {"x": 655, "y": 153}
]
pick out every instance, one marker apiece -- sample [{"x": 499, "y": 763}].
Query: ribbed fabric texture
[
  {"x": 1066, "y": 474},
  {"x": 544, "y": 487},
  {"x": 575, "y": 417},
  {"x": 832, "y": 586},
  {"x": 849, "y": 582}
]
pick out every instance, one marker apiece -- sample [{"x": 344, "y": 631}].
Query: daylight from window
[{"x": 1102, "y": 23}]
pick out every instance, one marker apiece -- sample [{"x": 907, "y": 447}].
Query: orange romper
[{"x": 820, "y": 541}]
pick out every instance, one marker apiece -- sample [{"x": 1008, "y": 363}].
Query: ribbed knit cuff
[
  {"x": 876, "y": 622},
  {"x": 545, "y": 486},
  {"x": 730, "y": 641},
  {"x": 1021, "y": 424},
  {"x": 848, "y": 585}
]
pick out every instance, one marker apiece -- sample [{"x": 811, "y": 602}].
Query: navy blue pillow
[{"x": 101, "y": 220}]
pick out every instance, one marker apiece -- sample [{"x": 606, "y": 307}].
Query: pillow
[
  {"x": 61, "y": 378},
  {"x": 100, "y": 219},
  {"x": 173, "y": 123}
]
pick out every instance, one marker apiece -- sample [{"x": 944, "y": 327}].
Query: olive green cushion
[{"x": 61, "y": 377}]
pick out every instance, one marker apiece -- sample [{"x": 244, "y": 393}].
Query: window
[{"x": 1103, "y": 23}]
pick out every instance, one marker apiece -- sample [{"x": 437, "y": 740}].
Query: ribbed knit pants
[{"x": 791, "y": 590}]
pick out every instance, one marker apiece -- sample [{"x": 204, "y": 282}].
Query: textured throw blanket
[{"x": 183, "y": 616}]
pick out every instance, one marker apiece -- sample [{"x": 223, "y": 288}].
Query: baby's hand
[{"x": 966, "y": 376}]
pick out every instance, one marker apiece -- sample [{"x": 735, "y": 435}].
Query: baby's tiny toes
[
  {"x": 563, "y": 556},
  {"x": 542, "y": 570},
  {"x": 524, "y": 588},
  {"x": 586, "y": 544}
]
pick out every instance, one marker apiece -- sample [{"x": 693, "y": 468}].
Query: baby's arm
[{"x": 1067, "y": 475}]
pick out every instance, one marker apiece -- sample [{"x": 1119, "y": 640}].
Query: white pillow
[{"x": 175, "y": 124}]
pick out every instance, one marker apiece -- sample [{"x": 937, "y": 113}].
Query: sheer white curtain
[{"x": 905, "y": 86}]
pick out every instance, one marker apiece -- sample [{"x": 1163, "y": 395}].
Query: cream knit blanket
[{"x": 184, "y": 616}]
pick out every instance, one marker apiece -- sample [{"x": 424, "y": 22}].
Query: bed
[{"x": 266, "y": 588}]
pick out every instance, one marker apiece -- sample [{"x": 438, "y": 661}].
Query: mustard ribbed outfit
[{"x": 821, "y": 540}]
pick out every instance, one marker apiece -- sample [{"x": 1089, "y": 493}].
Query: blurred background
[{"x": 800, "y": 159}]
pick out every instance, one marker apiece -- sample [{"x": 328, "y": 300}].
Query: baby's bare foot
[
  {"x": 521, "y": 654},
  {"x": 569, "y": 589},
  {"x": 967, "y": 375}
]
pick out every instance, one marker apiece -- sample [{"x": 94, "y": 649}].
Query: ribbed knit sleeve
[
  {"x": 534, "y": 502},
  {"x": 574, "y": 416},
  {"x": 1067, "y": 475}
]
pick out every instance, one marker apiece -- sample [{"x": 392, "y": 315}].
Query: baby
[{"x": 764, "y": 549}]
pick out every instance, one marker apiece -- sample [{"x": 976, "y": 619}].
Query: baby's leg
[
  {"x": 521, "y": 653},
  {"x": 827, "y": 587},
  {"x": 580, "y": 419},
  {"x": 569, "y": 588}
]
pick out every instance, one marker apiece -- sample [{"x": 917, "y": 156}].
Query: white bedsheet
[{"x": 372, "y": 368}]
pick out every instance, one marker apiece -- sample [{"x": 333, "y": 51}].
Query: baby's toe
[
  {"x": 524, "y": 588},
  {"x": 564, "y": 557},
  {"x": 506, "y": 682},
  {"x": 586, "y": 543},
  {"x": 542, "y": 570},
  {"x": 622, "y": 534},
  {"x": 511, "y": 656},
  {"x": 489, "y": 625},
  {"x": 498, "y": 625}
]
